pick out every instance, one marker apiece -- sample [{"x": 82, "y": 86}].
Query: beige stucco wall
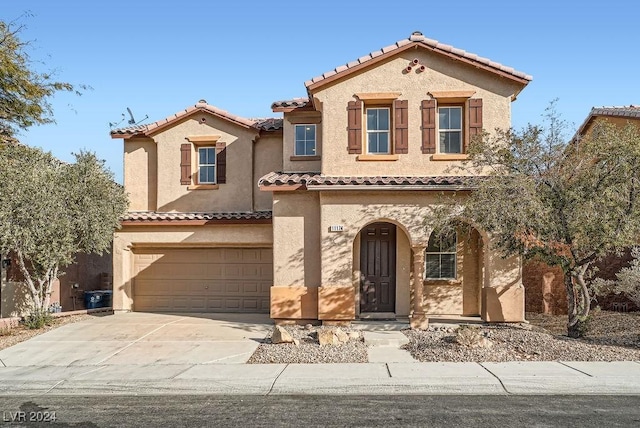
[
  {"x": 128, "y": 239},
  {"x": 268, "y": 158},
  {"x": 140, "y": 173},
  {"x": 234, "y": 195},
  {"x": 296, "y": 239},
  {"x": 442, "y": 74}
]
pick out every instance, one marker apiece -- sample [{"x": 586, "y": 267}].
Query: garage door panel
[{"x": 203, "y": 280}]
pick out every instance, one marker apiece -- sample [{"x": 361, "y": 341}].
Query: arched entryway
[
  {"x": 378, "y": 268},
  {"x": 382, "y": 270}
]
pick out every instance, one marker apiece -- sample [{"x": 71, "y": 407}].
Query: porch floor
[{"x": 402, "y": 323}]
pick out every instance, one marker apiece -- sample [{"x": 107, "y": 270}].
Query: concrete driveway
[{"x": 142, "y": 339}]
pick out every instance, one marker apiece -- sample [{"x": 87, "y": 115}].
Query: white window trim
[
  {"x": 214, "y": 164},
  {"x": 377, "y": 131},
  {"x": 441, "y": 253},
  {"x": 461, "y": 130},
  {"x": 315, "y": 139}
]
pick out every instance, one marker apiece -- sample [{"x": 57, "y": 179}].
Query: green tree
[
  {"x": 50, "y": 211},
  {"x": 24, "y": 91},
  {"x": 565, "y": 202}
]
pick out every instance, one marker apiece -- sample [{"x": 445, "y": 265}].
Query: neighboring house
[
  {"x": 89, "y": 272},
  {"x": 544, "y": 284},
  {"x": 319, "y": 216}
]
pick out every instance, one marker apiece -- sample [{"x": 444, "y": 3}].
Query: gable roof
[
  {"x": 630, "y": 112},
  {"x": 417, "y": 39},
  {"x": 268, "y": 124}
]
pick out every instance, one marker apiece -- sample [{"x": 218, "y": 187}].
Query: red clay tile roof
[
  {"x": 313, "y": 179},
  {"x": 201, "y": 106},
  {"x": 144, "y": 216},
  {"x": 268, "y": 124},
  {"x": 630, "y": 111},
  {"x": 417, "y": 39},
  {"x": 289, "y": 104}
]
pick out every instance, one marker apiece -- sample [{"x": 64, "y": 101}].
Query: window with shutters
[
  {"x": 450, "y": 121},
  {"x": 378, "y": 130},
  {"x": 379, "y": 122},
  {"x": 207, "y": 165},
  {"x": 440, "y": 256},
  {"x": 210, "y": 167}
]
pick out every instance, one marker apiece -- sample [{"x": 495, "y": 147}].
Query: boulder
[
  {"x": 354, "y": 335},
  {"x": 280, "y": 335},
  {"x": 341, "y": 335},
  {"x": 327, "y": 337}
]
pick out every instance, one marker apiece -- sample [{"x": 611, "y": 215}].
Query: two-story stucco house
[{"x": 319, "y": 216}]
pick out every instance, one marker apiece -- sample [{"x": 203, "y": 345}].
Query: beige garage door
[{"x": 202, "y": 280}]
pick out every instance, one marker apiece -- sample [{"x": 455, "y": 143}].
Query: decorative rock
[
  {"x": 327, "y": 337},
  {"x": 296, "y": 342},
  {"x": 280, "y": 335},
  {"x": 354, "y": 335},
  {"x": 308, "y": 327},
  {"x": 341, "y": 335}
]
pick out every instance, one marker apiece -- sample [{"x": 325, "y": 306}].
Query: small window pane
[
  {"x": 450, "y": 142},
  {"x": 447, "y": 266},
  {"x": 373, "y": 142},
  {"x": 383, "y": 142},
  {"x": 383, "y": 119},
  {"x": 300, "y": 147},
  {"x": 372, "y": 119},
  {"x": 432, "y": 266},
  {"x": 310, "y": 131},
  {"x": 455, "y": 118},
  {"x": 206, "y": 174},
  {"x": 299, "y": 132},
  {"x": 310, "y": 148},
  {"x": 203, "y": 156},
  {"x": 443, "y": 118}
]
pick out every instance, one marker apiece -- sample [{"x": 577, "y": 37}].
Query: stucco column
[{"x": 419, "y": 320}]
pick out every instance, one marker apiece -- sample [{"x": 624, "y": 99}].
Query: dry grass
[{"x": 606, "y": 327}]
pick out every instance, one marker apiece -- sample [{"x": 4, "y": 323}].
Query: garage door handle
[{"x": 206, "y": 287}]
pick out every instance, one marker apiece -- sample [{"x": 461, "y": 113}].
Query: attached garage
[{"x": 202, "y": 279}]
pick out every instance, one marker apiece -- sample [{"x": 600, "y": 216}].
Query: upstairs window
[
  {"x": 440, "y": 257},
  {"x": 206, "y": 165},
  {"x": 378, "y": 131},
  {"x": 450, "y": 129},
  {"x": 305, "y": 140}
]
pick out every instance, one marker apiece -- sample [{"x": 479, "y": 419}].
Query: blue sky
[{"x": 158, "y": 58}]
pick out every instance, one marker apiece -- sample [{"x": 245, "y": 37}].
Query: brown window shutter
[
  {"x": 428, "y": 126},
  {"x": 474, "y": 107},
  {"x": 355, "y": 127},
  {"x": 221, "y": 166},
  {"x": 401, "y": 138},
  {"x": 185, "y": 164}
]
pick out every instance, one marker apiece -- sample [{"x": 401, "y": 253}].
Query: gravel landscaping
[
  {"x": 613, "y": 337},
  {"x": 309, "y": 350}
]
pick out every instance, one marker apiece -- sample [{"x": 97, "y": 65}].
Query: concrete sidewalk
[
  {"x": 176, "y": 354},
  {"x": 369, "y": 378}
]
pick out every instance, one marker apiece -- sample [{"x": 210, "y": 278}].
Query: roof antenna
[{"x": 132, "y": 121}]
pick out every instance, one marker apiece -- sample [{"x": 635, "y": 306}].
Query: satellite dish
[{"x": 131, "y": 120}]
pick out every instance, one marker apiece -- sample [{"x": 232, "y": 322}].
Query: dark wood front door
[{"x": 378, "y": 268}]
